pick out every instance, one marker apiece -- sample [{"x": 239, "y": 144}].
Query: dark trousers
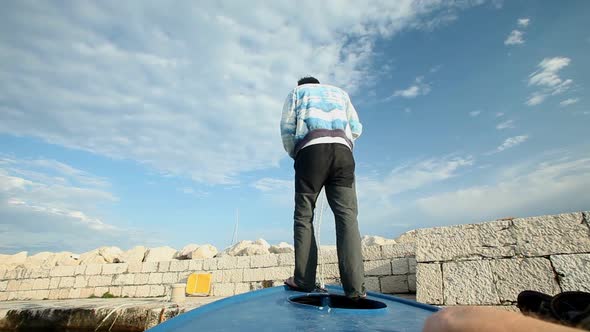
[{"x": 332, "y": 166}]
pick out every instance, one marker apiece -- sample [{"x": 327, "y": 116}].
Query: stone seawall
[
  {"x": 490, "y": 263},
  {"x": 389, "y": 269},
  {"x": 477, "y": 264}
]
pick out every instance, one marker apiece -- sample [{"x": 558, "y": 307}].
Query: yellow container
[{"x": 198, "y": 284}]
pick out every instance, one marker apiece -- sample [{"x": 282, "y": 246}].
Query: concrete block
[
  {"x": 372, "y": 284},
  {"x": 328, "y": 256},
  {"x": 80, "y": 270},
  {"x": 264, "y": 261},
  {"x": 142, "y": 291},
  {"x": 244, "y": 262},
  {"x": 74, "y": 293},
  {"x": 464, "y": 242},
  {"x": 412, "y": 283},
  {"x": 14, "y": 274},
  {"x": 412, "y": 264},
  {"x": 41, "y": 294},
  {"x": 25, "y": 285},
  {"x": 377, "y": 268},
  {"x": 116, "y": 290},
  {"x": 512, "y": 276},
  {"x": 67, "y": 282},
  {"x": 469, "y": 283},
  {"x": 329, "y": 270},
  {"x": 220, "y": 289},
  {"x": 195, "y": 265},
  {"x": 149, "y": 267},
  {"x": 117, "y": 268},
  {"x": 287, "y": 259},
  {"x": 155, "y": 278},
  {"x": 549, "y": 235},
  {"x": 2, "y": 273},
  {"x": 3, "y": 296},
  {"x": 54, "y": 283},
  {"x": 157, "y": 291},
  {"x": 227, "y": 262},
  {"x": 242, "y": 287},
  {"x": 277, "y": 273},
  {"x": 3, "y": 285},
  {"x": 164, "y": 266},
  {"x": 210, "y": 264},
  {"x": 42, "y": 283},
  {"x": 394, "y": 284},
  {"x": 573, "y": 271},
  {"x": 429, "y": 283},
  {"x": 100, "y": 281},
  {"x": 170, "y": 278},
  {"x": 80, "y": 281},
  {"x": 128, "y": 291},
  {"x": 371, "y": 253},
  {"x": 13, "y": 285},
  {"x": 123, "y": 279},
  {"x": 177, "y": 266},
  {"x": 62, "y": 271},
  {"x": 39, "y": 273},
  {"x": 12, "y": 296},
  {"x": 135, "y": 267},
  {"x": 85, "y": 292},
  {"x": 253, "y": 275},
  {"x": 140, "y": 278},
  {"x": 235, "y": 275},
  {"x": 63, "y": 293},
  {"x": 216, "y": 276},
  {"x": 400, "y": 266},
  {"x": 93, "y": 269},
  {"x": 100, "y": 291},
  {"x": 398, "y": 250}
]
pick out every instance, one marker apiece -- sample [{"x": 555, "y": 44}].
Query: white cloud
[
  {"x": 191, "y": 91},
  {"x": 417, "y": 89},
  {"x": 271, "y": 184},
  {"x": 533, "y": 188},
  {"x": 499, "y": 114},
  {"x": 514, "y": 38},
  {"x": 523, "y": 22},
  {"x": 569, "y": 101},
  {"x": 547, "y": 79},
  {"x": 505, "y": 125},
  {"x": 512, "y": 142},
  {"x": 474, "y": 113}
]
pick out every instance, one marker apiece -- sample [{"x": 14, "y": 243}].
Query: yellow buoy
[{"x": 198, "y": 284}]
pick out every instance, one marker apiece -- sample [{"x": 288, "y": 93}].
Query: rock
[
  {"x": 92, "y": 257},
  {"x": 204, "y": 251},
  {"x": 233, "y": 250},
  {"x": 110, "y": 254},
  {"x": 263, "y": 243},
  {"x": 373, "y": 240},
  {"x": 253, "y": 250},
  {"x": 185, "y": 252},
  {"x": 134, "y": 255},
  {"x": 159, "y": 254},
  {"x": 64, "y": 258},
  {"x": 407, "y": 237},
  {"x": 38, "y": 260},
  {"x": 282, "y": 248},
  {"x": 13, "y": 260}
]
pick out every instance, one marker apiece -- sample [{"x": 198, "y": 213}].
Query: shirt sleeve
[
  {"x": 288, "y": 125},
  {"x": 353, "y": 119}
]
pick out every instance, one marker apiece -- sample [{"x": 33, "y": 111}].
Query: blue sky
[{"x": 133, "y": 123}]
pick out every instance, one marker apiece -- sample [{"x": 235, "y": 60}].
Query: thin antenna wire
[{"x": 234, "y": 238}]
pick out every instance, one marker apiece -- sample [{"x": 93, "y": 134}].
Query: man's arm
[
  {"x": 353, "y": 119},
  {"x": 289, "y": 125}
]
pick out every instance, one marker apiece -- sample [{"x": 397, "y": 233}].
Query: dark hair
[{"x": 308, "y": 80}]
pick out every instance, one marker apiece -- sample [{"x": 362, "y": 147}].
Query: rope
[{"x": 318, "y": 239}]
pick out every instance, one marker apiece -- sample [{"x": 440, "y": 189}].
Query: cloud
[
  {"x": 514, "y": 38},
  {"x": 271, "y": 184},
  {"x": 474, "y": 113},
  {"x": 547, "y": 79},
  {"x": 531, "y": 188},
  {"x": 417, "y": 89},
  {"x": 499, "y": 114},
  {"x": 512, "y": 142},
  {"x": 569, "y": 101},
  {"x": 505, "y": 125},
  {"x": 523, "y": 22},
  {"x": 192, "y": 91},
  {"x": 52, "y": 205}
]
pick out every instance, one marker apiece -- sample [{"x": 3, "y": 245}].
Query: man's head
[{"x": 308, "y": 80}]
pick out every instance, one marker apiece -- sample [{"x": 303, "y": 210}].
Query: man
[{"x": 318, "y": 128}]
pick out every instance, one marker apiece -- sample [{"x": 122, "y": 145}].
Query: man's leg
[
  {"x": 341, "y": 194},
  {"x": 311, "y": 168},
  {"x": 306, "y": 251}
]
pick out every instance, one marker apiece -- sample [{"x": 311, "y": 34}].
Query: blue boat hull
[{"x": 281, "y": 309}]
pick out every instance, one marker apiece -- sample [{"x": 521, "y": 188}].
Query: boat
[{"x": 282, "y": 309}]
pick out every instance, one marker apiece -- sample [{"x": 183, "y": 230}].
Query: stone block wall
[
  {"x": 491, "y": 263},
  {"x": 389, "y": 269}
]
